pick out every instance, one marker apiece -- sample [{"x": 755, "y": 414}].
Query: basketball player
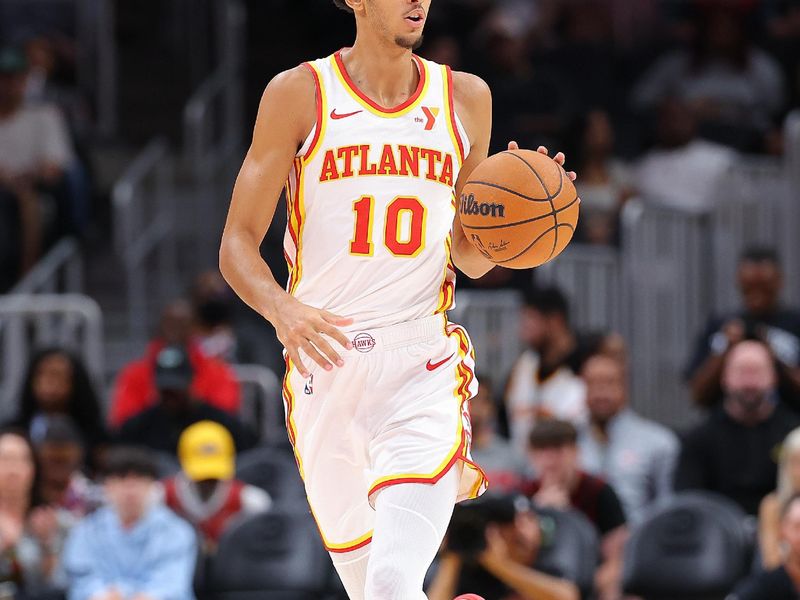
[{"x": 375, "y": 142}]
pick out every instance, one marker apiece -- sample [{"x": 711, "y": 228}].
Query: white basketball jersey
[{"x": 371, "y": 200}]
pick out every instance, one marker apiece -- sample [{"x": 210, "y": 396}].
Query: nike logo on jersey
[
  {"x": 433, "y": 366},
  {"x": 336, "y": 116}
]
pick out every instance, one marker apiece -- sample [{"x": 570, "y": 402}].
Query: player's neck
[{"x": 386, "y": 73}]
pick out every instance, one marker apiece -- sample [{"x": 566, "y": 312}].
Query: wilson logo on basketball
[
  {"x": 470, "y": 206},
  {"x": 363, "y": 342}
]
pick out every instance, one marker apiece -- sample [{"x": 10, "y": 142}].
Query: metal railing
[
  {"x": 60, "y": 270},
  {"x": 32, "y": 321},
  {"x": 792, "y": 169},
  {"x": 144, "y": 221},
  {"x": 98, "y": 71},
  {"x": 751, "y": 207},
  {"x": 590, "y": 278},
  {"x": 262, "y": 403},
  {"x": 213, "y": 123},
  {"x": 666, "y": 299}
]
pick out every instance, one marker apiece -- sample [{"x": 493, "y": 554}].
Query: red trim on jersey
[
  {"x": 318, "y": 97},
  {"x": 452, "y": 105},
  {"x": 458, "y": 455},
  {"x": 346, "y": 548},
  {"x": 351, "y": 84}
]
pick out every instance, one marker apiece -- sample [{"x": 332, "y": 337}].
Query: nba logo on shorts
[
  {"x": 309, "y": 389},
  {"x": 363, "y": 342}
]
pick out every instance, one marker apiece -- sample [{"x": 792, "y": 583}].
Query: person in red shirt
[
  {"x": 205, "y": 492},
  {"x": 135, "y": 389}
]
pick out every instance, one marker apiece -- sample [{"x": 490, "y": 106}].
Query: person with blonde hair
[{"x": 769, "y": 513}]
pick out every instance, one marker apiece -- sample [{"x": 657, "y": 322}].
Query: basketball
[{"x": 519, "y": 209}]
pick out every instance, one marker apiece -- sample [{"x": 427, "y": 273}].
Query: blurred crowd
[
  {"x": 578, "y": 478},
  {"x": 45, "y": 120},
  {"x": 631, "y": 90}
]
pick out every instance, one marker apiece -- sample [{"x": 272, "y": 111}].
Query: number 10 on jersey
[{"x": 399, "y": 240}]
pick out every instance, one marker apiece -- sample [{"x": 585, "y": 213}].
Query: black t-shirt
[
  {"x": 770, "y": 585},
  {"x": 780, "y": 330},
  {"x": 160, "y": 430},
  {"x": 595, "y": 499},
  {"x": 737, "y": 461}
]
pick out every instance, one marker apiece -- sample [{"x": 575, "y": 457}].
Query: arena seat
[
  {"x": 271, "y": 556},
  {"x": 695, "y": 547},
  {"x": 275, "y": 471},
  {"x": 573, "y": 549}
]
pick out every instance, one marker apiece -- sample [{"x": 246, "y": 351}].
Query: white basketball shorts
[{"x": 395, "y": 413}]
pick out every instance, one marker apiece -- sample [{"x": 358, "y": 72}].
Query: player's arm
[
  {"x": 285, "y": 118},
  {"x": 473, "y": 103}
]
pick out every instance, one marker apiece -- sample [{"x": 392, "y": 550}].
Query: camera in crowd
[{"x": 467, "y": 533}]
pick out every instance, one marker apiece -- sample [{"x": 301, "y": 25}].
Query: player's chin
[{"x": 409, "y": 42}]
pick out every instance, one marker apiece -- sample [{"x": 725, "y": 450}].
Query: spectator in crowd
[
  {"x": 503, "y": 464},
  {"x": 35, "y": 154},
  {"x": 213, "y": 382},
  {"x": 60, "y": 453},
  {"x": 134, "y": 548},
  {"x": 604, "y": 185},
  {"x": 493, "y": 550},
  {"x": 732, "y": 88},
  {"x": 678, "y": 150},
  {"x": 205, "y": 492},
  {"x": 159, "y": 427},
  {"x": 543, "y": 381},
  {"x": 733, "y": 451},
  {"x": 562, "y": 484},
  {"x": 635, "y": 455},
  {"x": 782, "y": 582},
  {"x": 762, "y": 317},
  {"x": 218, "y": 330},
  {"x": 769, "y": 513},
  {"x": 31, "y": 534},
  {"x": 57, "y": 383}
]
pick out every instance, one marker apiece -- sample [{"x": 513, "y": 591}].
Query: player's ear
[{"x": 357, "y": 6}]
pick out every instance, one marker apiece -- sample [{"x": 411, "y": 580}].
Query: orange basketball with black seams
[{"x": 519, "y": 209}]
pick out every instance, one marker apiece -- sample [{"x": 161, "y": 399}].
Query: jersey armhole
[
  {"x": 457, "y": 130},
  {"x": 311, "y": 143}
]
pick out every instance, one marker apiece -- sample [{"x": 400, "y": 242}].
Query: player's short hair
[
  {"x": 342, "y": 5},
  {"x": 553, "y": 433},
  {"x": 760, "y": 254},
  {"x": 548, "y": 301}
]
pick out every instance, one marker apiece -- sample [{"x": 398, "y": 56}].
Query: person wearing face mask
[
  {"x": 734, "y": 452},
  {"x": 223, "y": 328}
]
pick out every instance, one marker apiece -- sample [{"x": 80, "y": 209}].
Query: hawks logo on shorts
[{"x": 371, "y": 201}]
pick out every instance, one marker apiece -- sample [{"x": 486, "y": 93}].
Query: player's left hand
[{"x": 559, "y": 157}]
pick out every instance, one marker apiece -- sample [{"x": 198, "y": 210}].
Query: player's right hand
[{"x": 300, "y": 326}]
